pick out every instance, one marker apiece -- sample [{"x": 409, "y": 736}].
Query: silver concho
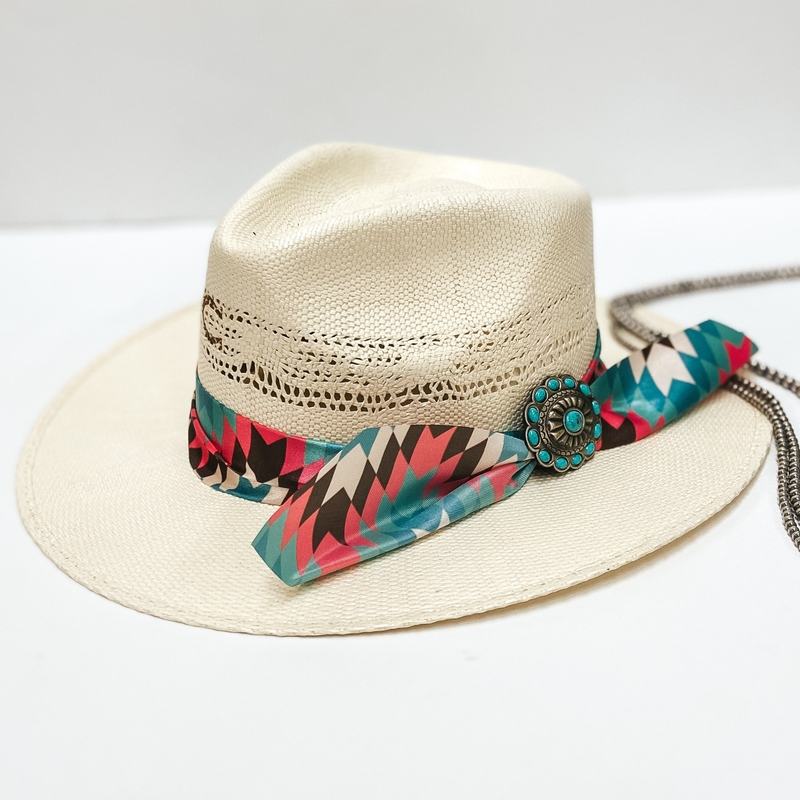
[{"x": 563, "y": 423}]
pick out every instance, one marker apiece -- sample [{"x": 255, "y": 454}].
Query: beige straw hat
[{"x": 356, "y": 287}]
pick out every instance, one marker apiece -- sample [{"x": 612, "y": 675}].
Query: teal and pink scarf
[{"x": 343, "y": 504}]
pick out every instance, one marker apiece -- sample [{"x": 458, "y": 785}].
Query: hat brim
[{"x": 105, "y": 489}]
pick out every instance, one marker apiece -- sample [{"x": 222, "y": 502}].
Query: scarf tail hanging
[{"x": 392, "y": 485}]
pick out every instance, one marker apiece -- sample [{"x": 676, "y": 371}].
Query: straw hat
[{"x": 356, "y": 287}]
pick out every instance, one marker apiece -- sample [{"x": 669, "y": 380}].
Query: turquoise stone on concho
[
  {"x": 574, "y": 421},
  {"x": 563, "y": 423}
]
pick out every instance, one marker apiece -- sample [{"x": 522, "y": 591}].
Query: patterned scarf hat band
[
  {"x": 391, "y": 485},
  {"x": 392, "y": 346}
]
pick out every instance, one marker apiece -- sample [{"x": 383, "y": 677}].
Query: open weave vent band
[
  {"x": 292, "y": 374},
  {"x": 392, "y": 485}
]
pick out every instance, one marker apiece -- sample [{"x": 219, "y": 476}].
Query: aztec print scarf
[{"x": 388, "y": 486}]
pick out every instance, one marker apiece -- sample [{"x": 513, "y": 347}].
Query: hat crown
[{"x": 357, "y": 286}]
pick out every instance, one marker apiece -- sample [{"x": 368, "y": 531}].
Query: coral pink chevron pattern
[
  {"x": 654, "y": 386},
  {"x": 389, "y": 486},
  {"x": 233, "y": 454}
]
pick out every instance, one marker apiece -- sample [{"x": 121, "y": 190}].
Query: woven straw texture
[
  {"x": 357, "y": 286},
  {"x": 105, "y": 489}
]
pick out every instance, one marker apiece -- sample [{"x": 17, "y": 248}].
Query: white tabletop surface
[{"x": 674, "y": 677}]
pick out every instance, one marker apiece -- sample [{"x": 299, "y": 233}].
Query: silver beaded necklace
[{"x": 626, "y": 324}]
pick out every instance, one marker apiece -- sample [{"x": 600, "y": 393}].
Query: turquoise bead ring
[{"x": 562, "y": 423}]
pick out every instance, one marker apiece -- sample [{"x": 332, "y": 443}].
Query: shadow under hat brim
[{"x": 105, "y": 489}]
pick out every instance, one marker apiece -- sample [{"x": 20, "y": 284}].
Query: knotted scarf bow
[{"x": 391, "y": 485}]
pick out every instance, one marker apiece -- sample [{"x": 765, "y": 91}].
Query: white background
[
  {"x": 674, "y": 677},
  {"x": 145, "y": 109}
]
